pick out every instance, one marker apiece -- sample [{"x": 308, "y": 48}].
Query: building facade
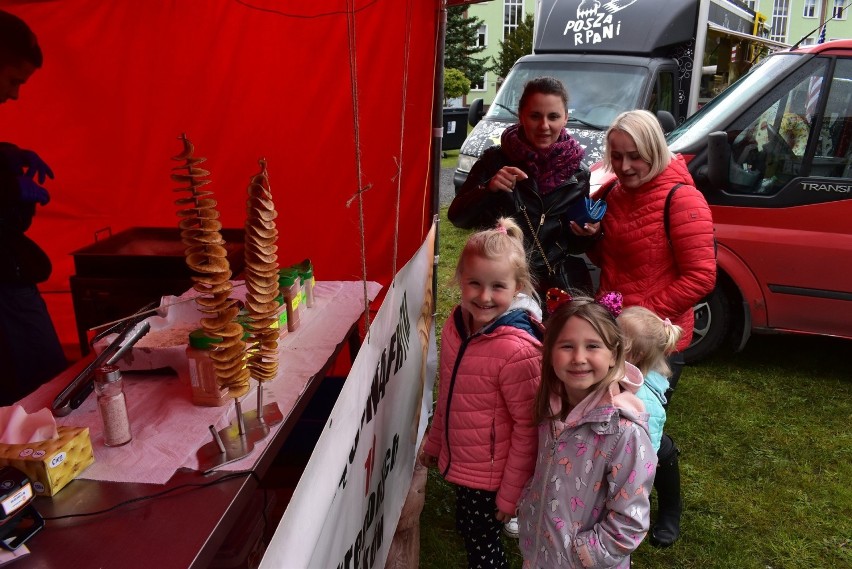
[
  {"x": 791, "y": 20},
  {"x": 499, "y": 17}
]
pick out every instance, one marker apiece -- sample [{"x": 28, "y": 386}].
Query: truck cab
[{"x": 773, "y": 156}]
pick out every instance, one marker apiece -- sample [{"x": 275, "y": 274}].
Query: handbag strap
[
  {"x": 534, "y": 233},
  {"x": 666, "y": 209}
]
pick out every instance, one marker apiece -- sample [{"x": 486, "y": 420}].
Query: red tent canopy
[{"x": 337, "y": 95}]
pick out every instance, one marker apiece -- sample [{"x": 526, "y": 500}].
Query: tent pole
[{"x": 437, "y": 138}]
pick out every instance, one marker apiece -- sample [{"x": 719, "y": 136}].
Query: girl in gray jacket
[{"x": 587, "y": 505}]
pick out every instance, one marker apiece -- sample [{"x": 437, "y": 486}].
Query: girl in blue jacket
[{"x": 649, "y": 340}]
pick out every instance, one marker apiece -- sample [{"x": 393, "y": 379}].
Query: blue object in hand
[
  {"x": 587, "y": 210},
  {"x": 32, "y": 192},
  {"x": 27, "y": 162}
]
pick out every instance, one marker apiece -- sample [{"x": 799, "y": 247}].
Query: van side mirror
[
  {"x": 667, "y": 121},
  {"x": 475, "y": 112},
  {"x": 718, "y": 159}
]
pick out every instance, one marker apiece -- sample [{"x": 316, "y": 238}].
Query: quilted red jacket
[
  {"x": 637, "y": 260},
  {"x": 483, "y": 431}
]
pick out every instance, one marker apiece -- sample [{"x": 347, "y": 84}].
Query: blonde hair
[
  {"x": 645, "y": 130},
  {"x": 648, "y": 339},
  {"x": 504, "y": 241},
  {"x": 604, "y": 324}
]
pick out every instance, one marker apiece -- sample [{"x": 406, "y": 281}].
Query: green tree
[
  {"x": 460, "y": 45},
  {"x": 455, "y": 84},
  {"x": 517, "y": 44}
]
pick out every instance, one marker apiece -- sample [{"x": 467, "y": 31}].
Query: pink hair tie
[
  {"x": 501, "y": 229},
  {"x": 667, "y": 322},
  {"x": 612, "y": 301}
]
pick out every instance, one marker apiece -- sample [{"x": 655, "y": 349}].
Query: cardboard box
[{"x": 50, "y": 465}]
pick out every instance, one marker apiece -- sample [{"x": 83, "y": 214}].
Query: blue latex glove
[
  {"x": 27, "y": 162},
  {"x": 32, "y": 192}
]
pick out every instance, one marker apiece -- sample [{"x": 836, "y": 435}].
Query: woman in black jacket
[{"x": 537, "y": 177}]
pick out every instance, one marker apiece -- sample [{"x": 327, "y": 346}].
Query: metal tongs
[{"x": 129, "y": 332}]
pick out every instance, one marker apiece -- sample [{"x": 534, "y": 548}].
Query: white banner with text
[{"x": 346, "y": 506}]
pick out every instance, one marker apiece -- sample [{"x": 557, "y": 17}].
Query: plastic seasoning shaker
[
  {"x": 202, "y": 373},
  {"x": 308, "y": 282},
  {"x": 290, "y": 290},
  {"x": 281, "y": 324},
  {"x": 112, "y": 405}
]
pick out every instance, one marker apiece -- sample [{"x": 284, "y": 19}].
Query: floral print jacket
[{"x": 587, "y": 505}]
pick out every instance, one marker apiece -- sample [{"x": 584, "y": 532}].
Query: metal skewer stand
[
  {"x": 228, "y": 445},
  {"x": 237, "y": 439},
  {"x": 263, "y": 417}
]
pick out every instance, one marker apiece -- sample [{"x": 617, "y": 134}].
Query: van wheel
[{"x": 712, "y": 324}]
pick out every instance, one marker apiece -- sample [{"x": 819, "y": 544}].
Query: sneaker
[{"x": 510, "y": 528}]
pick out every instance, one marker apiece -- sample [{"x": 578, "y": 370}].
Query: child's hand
[
  {"x": 504, "y": 516},
  {"x": 428, "y": 460}
]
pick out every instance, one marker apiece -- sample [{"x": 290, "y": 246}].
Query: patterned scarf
[{"x": 549, "y": 167}]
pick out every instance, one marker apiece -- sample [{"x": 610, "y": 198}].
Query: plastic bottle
[
  {"x": 202, "y": 374},
  {"x": 306, "y": 272},
  {"x": 290, "y": 290},
  {"x": 307, "y": 276},
  {"x": 282, "y": 317},
  {"x": 112, "y": 405}
]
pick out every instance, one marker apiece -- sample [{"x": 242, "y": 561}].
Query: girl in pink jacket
[
  {"x": 482, "y": 437},
  {"x": 587, "y": 504}
]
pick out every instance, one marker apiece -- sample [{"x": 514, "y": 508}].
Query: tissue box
[{"x": 50, "y": 465}]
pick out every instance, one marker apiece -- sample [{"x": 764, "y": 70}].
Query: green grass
[
  {"x": 766, "y": 457},
  {"x": 450, "y": 159}
]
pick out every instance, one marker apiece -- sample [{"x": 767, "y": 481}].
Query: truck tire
[{"x": 712, "y": 325}]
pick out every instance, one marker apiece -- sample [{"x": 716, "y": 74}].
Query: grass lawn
[
  {"x": 450, "y": 159},
  {"x": 766, "y": 457}
]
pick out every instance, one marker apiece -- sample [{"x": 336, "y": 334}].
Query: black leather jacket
[{"x": 541, "y": 216}]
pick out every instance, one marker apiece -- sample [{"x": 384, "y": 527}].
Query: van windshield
[
  {"x": 730, "y": 102},
  {"x": 597, "y": 92}
]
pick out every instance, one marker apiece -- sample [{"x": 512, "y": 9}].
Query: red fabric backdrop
[{"x": 243, "y": 79}]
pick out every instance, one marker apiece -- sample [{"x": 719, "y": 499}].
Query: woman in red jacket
[{"x": 666, "y": 273}]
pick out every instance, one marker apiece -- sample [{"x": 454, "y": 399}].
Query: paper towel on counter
[{"x": 168, "y": 429}]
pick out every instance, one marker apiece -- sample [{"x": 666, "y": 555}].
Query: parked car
[{"x": 773, "y": 156}]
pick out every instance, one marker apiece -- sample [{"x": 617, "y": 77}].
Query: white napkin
[{"x": 19, "y": 427}]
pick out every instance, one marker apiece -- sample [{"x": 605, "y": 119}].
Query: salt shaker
[{"x": 113, "y": 407}]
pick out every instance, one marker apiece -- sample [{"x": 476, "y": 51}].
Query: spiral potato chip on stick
[
  {"x": 207, "y": 257},
  {"x": 261, "y": 278}
]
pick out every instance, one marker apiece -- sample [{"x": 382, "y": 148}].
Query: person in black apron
[{"x": 29, "y": 346}]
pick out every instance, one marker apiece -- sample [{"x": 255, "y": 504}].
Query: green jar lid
[
  {"x": 199, "y": 339},
  {"x": 307, "y": 274},
  {"x": 287, "y": 279}
]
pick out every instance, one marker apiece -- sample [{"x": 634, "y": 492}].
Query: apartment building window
[
  {"x": 780, "y": 18},
  {"x": 482, "y": 36},
  {"x": 513, "y": 14},
  {"x": 479, "y": 85},
  {"x": 810, "y": 9},
  {"x": 839, "y": 12},
  {"x": 750, "y": 3}
]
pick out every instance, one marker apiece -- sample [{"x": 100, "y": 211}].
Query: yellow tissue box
[{"x": 50, "y": 465}]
